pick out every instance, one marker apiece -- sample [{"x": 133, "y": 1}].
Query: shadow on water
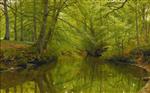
[
  {"x": 32, "y": 79},
  {"x": 72, "y": 75}
]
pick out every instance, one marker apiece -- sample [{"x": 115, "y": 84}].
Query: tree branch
[
  {"x": 117, "y": 8},
  {"x": 69, "y": 24}
]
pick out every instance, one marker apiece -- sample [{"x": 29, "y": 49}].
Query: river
[{"x": 74, "y": 75}]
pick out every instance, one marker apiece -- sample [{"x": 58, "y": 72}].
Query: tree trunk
[
  {"x": 0, "y": 24},
  {"x": 21, "y": 22},
  {"x": 41, "y": 38},
  {"x": 147, "y": 26},
  {"x": 7, "y": 33},
  {"x": 143, "y": 18},
  {"x": 136, "y": 24},
  {"x": 144, "y": 23},
  {"x": 34, "y": 35},
  {"x": 15, "y": 22},
  {"x": 51, "y": 28}
]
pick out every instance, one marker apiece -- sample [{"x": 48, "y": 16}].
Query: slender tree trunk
[
  {"x": 15, "y": 28},
  {"x": 143, "y": 19},
  {"x": 92, "y": 27},
  {"x": 15, "y": 22},
  {"x": 144, "y": 23},
  {"x": 148, "y": 29},
  {"x": 21, "y": 29},
  {"x": 42, "y": 34},
  {"x": 7, "y": 33},
  {"x": 139, "y": 53},
  {"x": 21, "y": 22},
  {"x": 51, "y": 29},
  {"x": 34, "y": 35},
  {"x": 122, "y": 47},
  {"x": 147, "y": 26},
  {"x": 0, "y": 24},
  {"x": 136, "y": 24}
]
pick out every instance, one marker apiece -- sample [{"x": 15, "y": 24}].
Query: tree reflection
[{"x": 89, "y": 75}]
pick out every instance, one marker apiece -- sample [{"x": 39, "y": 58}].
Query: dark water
[{"x": 70, "y": 75}]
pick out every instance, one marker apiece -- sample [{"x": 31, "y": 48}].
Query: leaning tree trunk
[
  {"x": 41, "y": 38},
  {"x": 51, "y": 29},
  {"x": 7, "y": 33}
]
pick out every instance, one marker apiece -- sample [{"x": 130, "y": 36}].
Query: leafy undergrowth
[
  {"x": 143, "y": 54},
  {"x": 13, "y": 53}
]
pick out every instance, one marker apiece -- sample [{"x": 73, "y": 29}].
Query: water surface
[{"x": 71, "y": 75}]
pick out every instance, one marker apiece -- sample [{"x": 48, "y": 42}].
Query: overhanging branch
[{"x": 117, "y": 8}]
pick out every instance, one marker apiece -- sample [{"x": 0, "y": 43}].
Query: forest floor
[
  {"x": 12, "y": 53},
  {"x": 12, "y": 44}
]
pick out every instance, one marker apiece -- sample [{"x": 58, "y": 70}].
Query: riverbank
[
  {"x": 15, "y": 54},
  {"x": 140, "y": 59},
  {"x": 12, "y": 53},
  {"x": 146, "y": 88}
]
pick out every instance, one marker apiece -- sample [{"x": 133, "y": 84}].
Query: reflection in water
[
  {"x": 30, "y": 80},
  {"x": 74, "y": 76}
]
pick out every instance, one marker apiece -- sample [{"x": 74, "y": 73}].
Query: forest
[{"x": 74, "y": 46}]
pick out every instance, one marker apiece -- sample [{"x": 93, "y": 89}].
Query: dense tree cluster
[{"x": 90, "y": 25}]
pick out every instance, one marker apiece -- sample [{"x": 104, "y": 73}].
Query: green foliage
[{"x": 83, "y": 25}]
